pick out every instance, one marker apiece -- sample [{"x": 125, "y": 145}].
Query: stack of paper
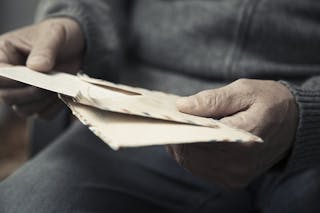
[{"x": 124, "y": 116}]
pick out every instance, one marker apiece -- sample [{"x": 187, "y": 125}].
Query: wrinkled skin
[
  {"x": 264, "y": 108},
  {"x": 56, "y": 43}
]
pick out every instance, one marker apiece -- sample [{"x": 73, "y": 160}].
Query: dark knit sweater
[{"x": 183, "y": 46}]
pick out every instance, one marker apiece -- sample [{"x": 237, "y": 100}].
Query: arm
[
  {"x": 306, "y": 148},
  {"x": 73, "y": 31},
  {"x": 287, "y": 117}
]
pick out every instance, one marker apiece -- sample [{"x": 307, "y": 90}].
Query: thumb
[
  {"x": 44, "y": 52},
  {"x": 215, "y": 103}
]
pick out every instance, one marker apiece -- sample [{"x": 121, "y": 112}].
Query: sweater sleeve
[
  {"x": 306, "y": 149},
  {"x": 103, "y": 24}
]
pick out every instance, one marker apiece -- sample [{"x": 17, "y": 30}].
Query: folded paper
[{"x": 124, "y": 116}]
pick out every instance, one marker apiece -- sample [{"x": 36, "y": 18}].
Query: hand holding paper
[
  {"x": 124, "y": 116},
  {"x": 265, "y": 108},
  {"x": 54, "y": 43}
]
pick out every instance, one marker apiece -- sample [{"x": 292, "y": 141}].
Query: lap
[
  {"x": 290, "y": 192},
  {"x": 79, "y": 173}
]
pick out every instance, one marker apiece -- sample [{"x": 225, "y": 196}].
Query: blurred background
[
  {"x": 16, "y": 13},
  {"x": 13, "y": 130}
]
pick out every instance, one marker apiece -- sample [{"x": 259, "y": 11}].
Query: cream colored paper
[
  {"x": 121, "y": 130},
  {"x": 59, "y": 82},
  {"x": 103, "y": 97}
]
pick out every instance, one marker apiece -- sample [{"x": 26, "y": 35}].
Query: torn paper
[{"x": 93, "y": 100}]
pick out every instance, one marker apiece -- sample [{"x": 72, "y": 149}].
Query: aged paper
[
  {"x": 122, "y": 130},
  {"x": 110, "y": 110}
]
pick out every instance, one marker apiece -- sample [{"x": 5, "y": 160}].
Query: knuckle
[
  {"x": 53, "y": 25},
  {"x": 56, "y": 29},
  {"x": 202, "y": 95},
  {"x": 207, "y": 98},
  {"x": 6, "y": 48},
  {"x": 203, "y": 98},
  {"x": 4, "y": 44},
  {"x": 213, "y": 103},
  {"x": 3, "y": 57},
  {"x": 242, "y": 82},
  {"x": 243, "y": 85}
]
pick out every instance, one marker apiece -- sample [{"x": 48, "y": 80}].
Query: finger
[
  {"x": 230, "y": 164},
  {"x": 44, "y": 52},
  {"x": 9, "y": 54},
  {"x": 23, "y": 95},
  {"x": 72, "y": 66},
  {"x": 33, "y": 108},
  {"x": 8, "y": 83},
  {"x": 50, "y": 112},
  {"x": 246, "y": 120},
  {"x": 223, "y": 161},
  {"x": 216, "y": 103}
]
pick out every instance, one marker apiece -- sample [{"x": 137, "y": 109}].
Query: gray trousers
[{"x": 79, "y": 173}]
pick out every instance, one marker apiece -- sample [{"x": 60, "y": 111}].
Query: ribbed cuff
[
  {"x": 101, "y": 39},
  {"x": 306, "y": 148}
]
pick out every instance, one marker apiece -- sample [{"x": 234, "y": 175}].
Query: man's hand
[
  {"x": 56, "y": 43},
  {"x": 264, "y": 108}
]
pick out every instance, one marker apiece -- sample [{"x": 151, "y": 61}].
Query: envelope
[{"x": 124, "y": 116}]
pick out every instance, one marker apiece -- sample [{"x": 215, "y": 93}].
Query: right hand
[{"x": 56, "y": 43}]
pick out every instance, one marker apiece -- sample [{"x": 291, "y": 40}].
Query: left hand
[
  {"x": 264, "y": 108},
  {"x": 55, "y": 43}
]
